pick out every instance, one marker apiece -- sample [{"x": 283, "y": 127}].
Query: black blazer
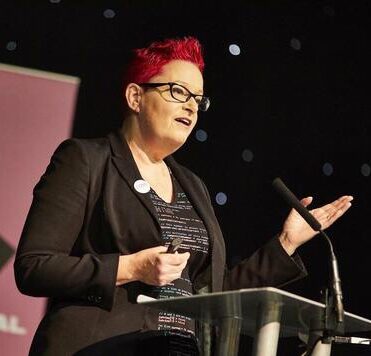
[{"x": 84, "y": 215}]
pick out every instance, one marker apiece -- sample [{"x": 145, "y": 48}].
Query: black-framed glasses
[{"x": 181, "y": 94}]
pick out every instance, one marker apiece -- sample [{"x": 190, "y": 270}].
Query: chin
[{"x": 174, "y": 143}]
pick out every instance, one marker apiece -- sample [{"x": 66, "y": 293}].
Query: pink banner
[{"x": 36, "y": 114}]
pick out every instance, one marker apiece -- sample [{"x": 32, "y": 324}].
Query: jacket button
[
  {"x": 98, "y": 299},
  {"x": 94, "y": 298}
]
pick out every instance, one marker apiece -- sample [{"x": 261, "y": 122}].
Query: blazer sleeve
[
  {"x": 268, "y": 266},
  {"x": 44, "y": 264}
]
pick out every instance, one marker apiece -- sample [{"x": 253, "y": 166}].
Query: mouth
[{"x": 183, "y": 120}]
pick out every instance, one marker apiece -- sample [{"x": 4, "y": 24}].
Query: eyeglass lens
[{"x": 182, "y": 94}]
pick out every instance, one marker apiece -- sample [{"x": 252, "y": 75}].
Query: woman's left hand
[{"x": 296, "y": 230}]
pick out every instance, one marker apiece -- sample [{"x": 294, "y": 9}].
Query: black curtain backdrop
[{"x": 296, "y": 97}]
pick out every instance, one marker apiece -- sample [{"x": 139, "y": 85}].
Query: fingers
[
  {"x": 165, "y": 273},
  {"x": 339, "y": 203},
  {"x": 172, "y": 263},
  {"x": 168, "y": 274},
  {"x": 154, "y": 266},
  {"x": 329, "y": 213},
  {"x": 337, "y": 207},
  {"x": 306, "y": 201},
  {"x": 174, "y": 259}
]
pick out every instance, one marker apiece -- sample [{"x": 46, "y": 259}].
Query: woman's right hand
[{"x": 151, "y": 266}]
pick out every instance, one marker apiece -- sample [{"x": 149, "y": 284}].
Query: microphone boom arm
[{"x": 337, "y": 295}]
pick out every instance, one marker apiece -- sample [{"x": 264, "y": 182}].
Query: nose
[{"x": 191, "y": 106}]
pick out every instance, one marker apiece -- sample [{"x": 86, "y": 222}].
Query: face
[{"x": 163, "y": 122}]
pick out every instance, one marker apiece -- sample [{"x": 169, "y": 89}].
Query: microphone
[{"x": 294, "y": 203}]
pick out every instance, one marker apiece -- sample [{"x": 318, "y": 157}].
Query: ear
[{"x": 133, "y": 96}]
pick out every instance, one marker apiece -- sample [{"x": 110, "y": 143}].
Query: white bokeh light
[
  {"x": 365, "y": 170},
  {"x": 201, "y": 135},
  {"x": 221, "y": 198},
  {"x": 327, "y": 169},
  {"x": 247, "y": 155},
  {"x": 295, "y": 44},
  {"x": 109, "y": 14},
  {"x": 234, "y": 49}
]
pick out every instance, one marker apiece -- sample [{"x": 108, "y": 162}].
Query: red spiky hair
[{"x": 148, "y": 62}]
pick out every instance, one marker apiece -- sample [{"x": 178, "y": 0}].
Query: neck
[{"x": 144, "y": 152}]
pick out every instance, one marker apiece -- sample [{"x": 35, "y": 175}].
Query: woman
[{"x": 106, "y": 209}]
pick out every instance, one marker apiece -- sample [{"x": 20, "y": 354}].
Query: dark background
[{"x": 297, "y": 97}]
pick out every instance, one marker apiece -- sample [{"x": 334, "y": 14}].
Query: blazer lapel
[
  {"x": 125, "y": 164},
  {"x": 128, "y": 170}
]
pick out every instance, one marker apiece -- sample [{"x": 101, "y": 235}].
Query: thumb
[{"x": 306, "y": 201}]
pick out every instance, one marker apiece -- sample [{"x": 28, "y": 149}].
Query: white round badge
[{"x": 142, "y": 186}]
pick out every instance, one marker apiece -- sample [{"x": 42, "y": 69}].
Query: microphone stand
[
  {"x": 333, "y": 298},
  {"x": 332, "y": 325},
  {"x": 334, "y": 316},
  {"x": 333, "y": 321}
]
